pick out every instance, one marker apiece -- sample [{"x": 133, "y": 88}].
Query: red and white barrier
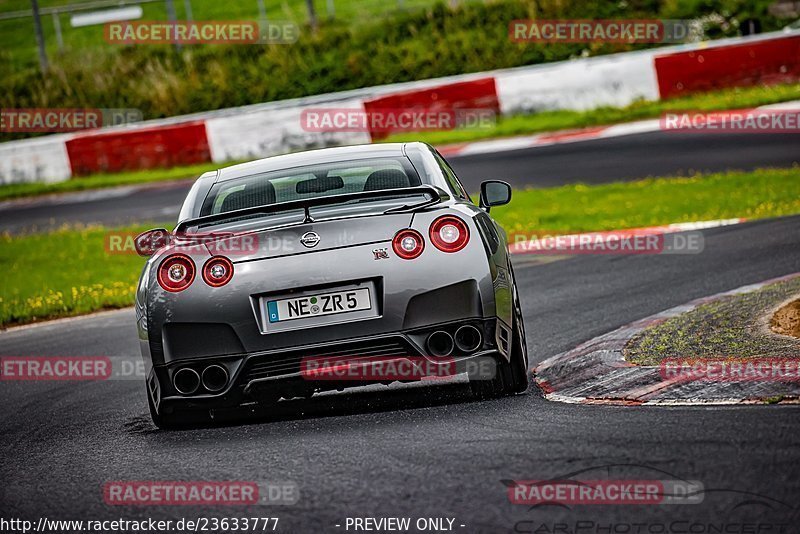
[
  {"x": 276, "y": 128},
  {"x": 767, "y": 61},
  {"x": 472, "y": 94},
  {"x": 42, "y": 159},
  {"x": 140, "y": 148},
  {"x": 582, "y": 84},
  {"x": 270, "y": 132}
]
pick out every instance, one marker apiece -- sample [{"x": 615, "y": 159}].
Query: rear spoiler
[{"x": 436, "y": 194}]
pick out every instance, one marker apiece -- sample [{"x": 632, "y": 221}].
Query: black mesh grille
[{"x": 286, "y": 363}]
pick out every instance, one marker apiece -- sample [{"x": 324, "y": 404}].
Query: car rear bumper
[{"x": 270, "y": 375}]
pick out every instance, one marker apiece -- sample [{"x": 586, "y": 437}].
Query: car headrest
[
  {"x": 255, "y": 194},
  {"x": 387, "y": 179}
]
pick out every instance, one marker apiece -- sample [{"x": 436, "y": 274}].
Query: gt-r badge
[
  {"x": 381, "y": 253},
  {"x": 310, "y": 239}
]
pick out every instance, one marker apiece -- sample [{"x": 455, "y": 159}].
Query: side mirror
[
  {"x": 147, "y": 243},
  {"x": 494, "y": 193}
]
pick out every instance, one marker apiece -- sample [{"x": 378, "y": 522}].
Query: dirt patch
[{"x": 786, "y": 320}]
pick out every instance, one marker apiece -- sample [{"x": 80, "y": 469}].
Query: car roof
[{"x": 312, "y": 157}]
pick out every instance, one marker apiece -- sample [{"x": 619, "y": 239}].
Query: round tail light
[
  {"x": 449, "y": 234},
  {"x": 176, "y": 272},
  {"x": 408, "y": 244},
  {"x": 218, "y": 271}
]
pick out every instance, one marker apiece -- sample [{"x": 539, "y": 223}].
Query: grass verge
[
  {"x": 63, "y": 273},
  {"x": 68, "y": 272},
  {"x": 654, "y": 201},
  {"x": 732, "y": 327}
]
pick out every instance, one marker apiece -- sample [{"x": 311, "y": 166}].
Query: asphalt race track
[
  {"x": 597, "y": 161},
  {"x": 630, "y": 157},
  {"x": 432, "y": 452}
]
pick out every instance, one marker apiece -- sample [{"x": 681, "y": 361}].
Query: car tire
[
  {"x": 178, "y": 418},
  {"x": 515, "y": 371},
  {"x": 489, "y": 389},
  {"x": 512, "y": 376},
  {"x": 518, "y": 376}
]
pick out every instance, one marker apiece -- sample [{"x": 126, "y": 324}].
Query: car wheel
[
  {"x": 518, "y": 366},
  {"x": 490, "y": 389},
  {"x": 511, "y": 376},
  {"x": 515, "y": 371},
  {"x": 178, "y": 418}
]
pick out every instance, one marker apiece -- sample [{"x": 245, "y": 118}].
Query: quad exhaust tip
[
  {"x": 186, "y": 381},
  {"x": 440, "y": 343},
  {"x": 468, "y": 339},
  {"x": 215, "y": 378}
]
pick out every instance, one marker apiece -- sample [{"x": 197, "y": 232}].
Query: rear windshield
[{"x": 310, "y": 182}]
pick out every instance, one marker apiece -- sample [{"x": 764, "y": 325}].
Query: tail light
[
  {"x": 218, "y": 271},
  {"x": 449, "y": 234},
  {"x": 176, "y": 272},
  {"x": 408, "y": 244}
]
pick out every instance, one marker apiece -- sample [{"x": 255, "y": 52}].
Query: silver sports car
[{"x": 298, "y": 274}]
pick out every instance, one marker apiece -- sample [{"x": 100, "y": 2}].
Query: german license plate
[{"x": 318, "y": 305}]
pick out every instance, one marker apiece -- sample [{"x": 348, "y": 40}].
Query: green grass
[
  {"x": 68, "y": 272},
  {"x": 64, "y": 273},
  {"x": 740, "y": 98},
  {"x": 517, "y": 125},
  {"x": 655, "y": 201}
]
